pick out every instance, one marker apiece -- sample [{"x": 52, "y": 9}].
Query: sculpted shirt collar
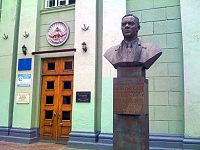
[
  {"x": 130, "y": 49},
  {"x": 131, "y": 44}
]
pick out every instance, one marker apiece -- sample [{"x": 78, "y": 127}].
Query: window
[
  {"x": 51, "y": 66},
  {"x": 50, "y": 3},
  {"x": 66, "y": 100},
  {"x": 71, "y": 2},
  {"x": 67, "y": 85},
  {"x": 56, "y": 3},
  {"x": 62, "y": 2},
  {"x": 49, "y": 99},
  {"x": 68, "y": 65},
  {"x": 50, "y": 84},
  {"x": 66, "y": 115},
  {"x": 48, "y": 114}
]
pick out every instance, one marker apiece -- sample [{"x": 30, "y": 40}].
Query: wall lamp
[
  {"x": 84, "y": 46},
  {"x": 24, "y": 49}
]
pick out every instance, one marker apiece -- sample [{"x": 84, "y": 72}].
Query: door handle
[
  {"x": 58, "y": 116},
  {"x": 54, "y": 114}
]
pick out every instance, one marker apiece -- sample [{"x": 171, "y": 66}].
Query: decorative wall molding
[
  {"x": 26, "y": 35},
  {"x": 84, "y": 28},
  {"x": 5, "y": 37},
  {"x": 54, "y": 51}
]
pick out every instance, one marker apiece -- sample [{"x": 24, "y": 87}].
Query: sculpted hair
[{"x": 137, "y": 21}]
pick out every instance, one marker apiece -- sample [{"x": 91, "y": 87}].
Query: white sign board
[
  {"x": 24, "y": 80},
  {"x": 23, "y": 98}
]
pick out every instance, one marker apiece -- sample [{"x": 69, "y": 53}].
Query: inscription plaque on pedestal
[{"x": 130, "y": 96}]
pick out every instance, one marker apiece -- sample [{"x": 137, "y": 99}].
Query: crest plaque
[{"x": 57, "y": 34}]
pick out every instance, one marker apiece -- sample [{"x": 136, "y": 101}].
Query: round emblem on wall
[{"x": 57, "y": 34}]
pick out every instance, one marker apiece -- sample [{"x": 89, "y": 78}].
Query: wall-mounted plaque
[
  {"x": 24, "y": 80},
  {"x": 24, "y": 64},
  {"x": 83, "y": 96},
  {"x": 23, "y": 98},
  {"x": 57, "y": 34}
]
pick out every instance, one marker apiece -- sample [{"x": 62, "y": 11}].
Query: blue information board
[{"x": 24, "y": 64}]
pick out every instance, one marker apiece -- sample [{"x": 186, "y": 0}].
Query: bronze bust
[{"x": 132, "y": 51}]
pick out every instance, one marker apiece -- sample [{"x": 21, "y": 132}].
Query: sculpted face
[{"x": 129, "y": 28}]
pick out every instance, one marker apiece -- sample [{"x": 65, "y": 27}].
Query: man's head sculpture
[
  {"x": 132, "y": 52},
  {"x": 130, "y": 26}
]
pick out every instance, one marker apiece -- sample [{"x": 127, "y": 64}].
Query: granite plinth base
[
  {"x": 130, "y": 132},
  {"x": 19, "y": 135}
]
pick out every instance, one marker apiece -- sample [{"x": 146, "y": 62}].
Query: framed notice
[
  {"x": 83, "y": 97},
  {"x": 24, "y": 80},
  {"x": 23, "y": 98}
]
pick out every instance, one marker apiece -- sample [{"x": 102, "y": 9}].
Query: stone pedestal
[{"x": 130, "y": 102}]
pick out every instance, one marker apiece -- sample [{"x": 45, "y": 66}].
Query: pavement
[
  {"x": 47, "y": 146},
  {"x": 35, "y": 146}
]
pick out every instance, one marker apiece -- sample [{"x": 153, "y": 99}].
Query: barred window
[{"x": 56, "y": 3}]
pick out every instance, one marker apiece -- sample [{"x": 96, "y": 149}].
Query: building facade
[{"x": 56, "y": 85}]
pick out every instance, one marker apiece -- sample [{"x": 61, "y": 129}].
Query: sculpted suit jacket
[{"x": 136, "y": 53}]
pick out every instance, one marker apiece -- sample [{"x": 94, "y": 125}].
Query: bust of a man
[{"x": 132, "y": 51}]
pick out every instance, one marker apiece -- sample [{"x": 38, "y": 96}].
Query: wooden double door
[{"x": 57, "y": 97}]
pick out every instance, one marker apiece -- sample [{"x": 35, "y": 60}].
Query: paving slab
[{"x": 34, "y": 146}]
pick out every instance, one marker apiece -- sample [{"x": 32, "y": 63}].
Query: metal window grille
[
  {"x": 72, "y": 2},
  {"x": 62, "y": 2},
  {"x": 51, "y": 3},
  {"x": 55, "y": 3}
]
